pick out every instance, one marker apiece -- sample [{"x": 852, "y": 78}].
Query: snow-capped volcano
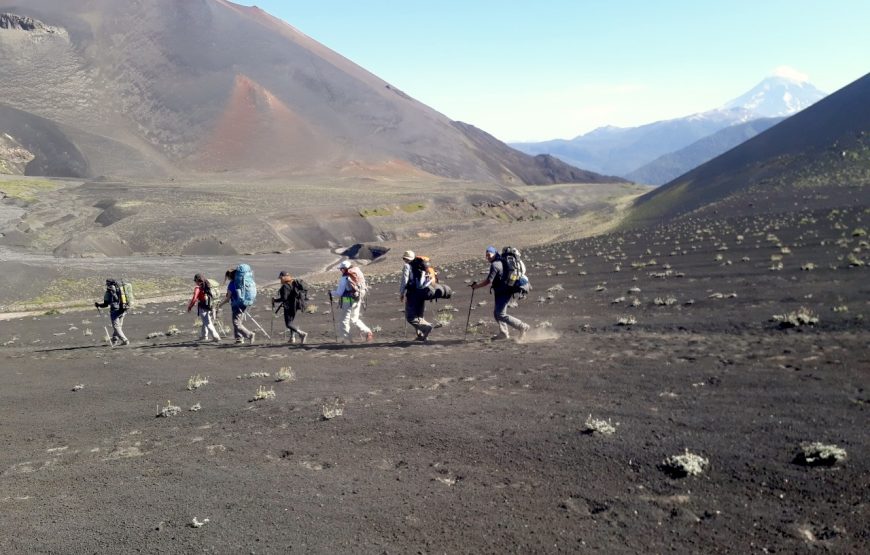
[{"x": 777, "y": 96}]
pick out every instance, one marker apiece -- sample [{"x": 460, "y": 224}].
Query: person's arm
[
  {"x": 493, "y": 271},
  {"x": 225, "y": 300},
  {"x": 106, "y": 301},
  {"x": 406, "y": 277},
  {"x": 342, "y": 287},
  {"x": 196, "y": 291}
]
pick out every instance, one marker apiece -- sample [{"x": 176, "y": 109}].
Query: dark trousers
[
  {"x": 289, "y": 317},
  {"x": 415, "y": 308}
]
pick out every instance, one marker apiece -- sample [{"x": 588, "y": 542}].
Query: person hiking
[
  {"x": 203, "y": 298},
  {"x": 112, "y": 298},
  {"x": 351, "y": 292},
  {"x": 292, "y": 295},
  {"x": 503, "y": 294},
  {"x": 240, "y": 332},
  {"x": 413, "y": 293}
]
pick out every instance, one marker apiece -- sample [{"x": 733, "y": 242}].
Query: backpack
[
  {"x": 126, "y": 295},
  {"x": 246, "y": 289},
  {"x": 423, "y": 273},
  {"x": 211, "y": 288},
  {"x": 122, "y": 294},
  {"x": 356, "y": 283},
  {"x": 514, "y": 276},
  {"x": 301, "y": 294}
]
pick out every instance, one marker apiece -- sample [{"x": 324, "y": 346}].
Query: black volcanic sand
[{"x": 471, "y": 446}]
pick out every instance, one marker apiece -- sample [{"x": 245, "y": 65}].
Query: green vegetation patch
[
  {"x": 82, "y": 291},
  {"x": 375, "y": 212},
  {"x": 26, "y": 189},
  {"x": 413, "y": 207}
]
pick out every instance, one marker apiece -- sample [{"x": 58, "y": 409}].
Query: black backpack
[
  {"x": 514, "y": 277},
  {"x": 301, "y": 294}
]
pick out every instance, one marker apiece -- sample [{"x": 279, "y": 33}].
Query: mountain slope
[
  {"x": 620, "y": 151},
  {"x": 672, "y": 165},
  {"x": 194, "y": 86},
  {"x": 824, "y": 146}
]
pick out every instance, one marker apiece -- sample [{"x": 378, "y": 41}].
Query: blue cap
[{"x": 491, "y": 250}]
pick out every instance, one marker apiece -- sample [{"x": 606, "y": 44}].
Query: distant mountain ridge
[
  {"x": 621, "y": 151},
  {"x": 821, "y": 153},
  {"x": 162, "y": 87},
  {"x": 674, "y": 164}
]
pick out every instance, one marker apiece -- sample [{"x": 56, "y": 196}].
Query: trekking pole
[
  {"x": 332, "y": 311},
  {"x": 272, "y": 327},
  {"x": 256, "y": 323},
  {"x": 468, "y": 320}
]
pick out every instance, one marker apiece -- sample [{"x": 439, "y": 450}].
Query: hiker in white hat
[{"x": 351, "y": 293}]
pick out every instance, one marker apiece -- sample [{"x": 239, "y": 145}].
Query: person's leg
[
  {"x": 355, "y": 319},
  {"x": 346, "y": 319},
  {"x": 208, "y": 325},
  {"x": 503, "y": 318},
  {"x": 203, "y": 329},
  {"x": 246, "y": 333},
  {"x": 118, "y": 327},
  {"x": 415, "y": 308},
  {"x": 289, "y": 322}
]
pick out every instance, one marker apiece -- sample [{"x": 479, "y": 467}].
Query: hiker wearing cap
[
  {"x": 292, "y": 295},
  {"x": 414, "y": 298},
  {"x": 503, "y": 294},
  {"x": 204, "y": 300},
  {"x": 240, "y": 332},
  {"x": 114, "y": 299},
  {"x": 351, "y": 293}
]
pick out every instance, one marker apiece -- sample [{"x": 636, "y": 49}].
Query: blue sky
[{"x": 547, "y": 69}]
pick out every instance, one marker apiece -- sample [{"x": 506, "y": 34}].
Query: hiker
[
  {"x": 115, "y": 299},
  {"x": 503, "y": 293},
  {"x": 292, "y": 295},
  {"x": 240, "y": 332},
  {"x": 351, "y": 292},
  {"x": 413, "y": 292},
  {"x": 203, "y": 298}
]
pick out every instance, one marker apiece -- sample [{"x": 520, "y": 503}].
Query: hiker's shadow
[{"x": 404, "y": 344}]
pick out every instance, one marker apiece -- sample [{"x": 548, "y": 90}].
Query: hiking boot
[
  {"x": 424, "y": 333},
  {"x": 251, "y": 339},
  {"x": 122, "y": 342},
  {"x": 302, "y": 337},
  {"x": 500, "y": 336},
  {"x": 370, "y": 337},
  {"x": 216, "y": 339},
  {"x": 292, "y": 339}
]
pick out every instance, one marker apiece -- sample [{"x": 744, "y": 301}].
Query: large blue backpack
[{"x": 246, "y": 289}]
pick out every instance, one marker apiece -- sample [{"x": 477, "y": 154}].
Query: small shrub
[
  {"x": 626, "y": 321},
  {"x": 263, "y": 394},
  {"x": 78, "y": 387},
  {"x": 253, "y": 375},
  {"x": 197, "y": 381},
  {"x": 687, "y": 464},
  {"x": 819, "y": 454},
  {"x": 800, "y": 317},
  {"x": 332, "y": 408},
  {"x": 285, "y": 374},
  {"x": 597, "y": 426},
  {"x": 168, "y": 410}
]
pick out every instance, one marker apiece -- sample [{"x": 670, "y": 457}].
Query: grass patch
[
  {"x": 26, "y": 190},
  {"x": 375, "y": 212},
  {"x": 413, "y": 207}
]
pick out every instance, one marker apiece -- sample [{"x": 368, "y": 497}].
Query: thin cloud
[{"x": 789, "y": 72}]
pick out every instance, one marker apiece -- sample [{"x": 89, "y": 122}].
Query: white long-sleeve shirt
[{"x": 406, "y": 278}]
